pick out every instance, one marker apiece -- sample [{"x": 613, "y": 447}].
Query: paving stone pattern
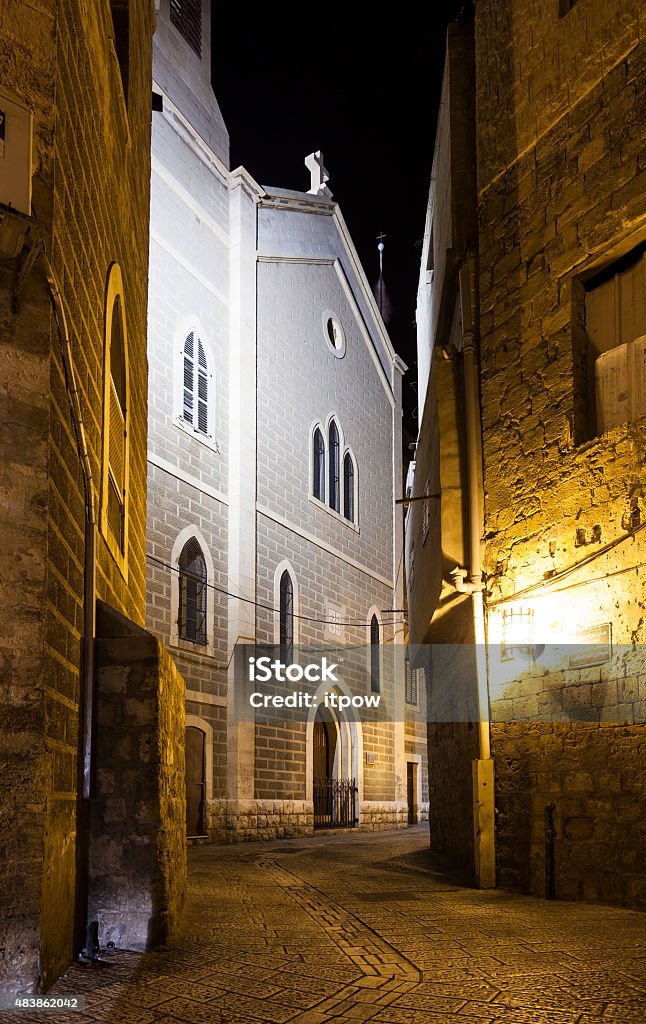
[{"x": 351, "y": 928}]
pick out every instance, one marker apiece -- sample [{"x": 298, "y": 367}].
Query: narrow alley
[{"x": 347, "y": 928}]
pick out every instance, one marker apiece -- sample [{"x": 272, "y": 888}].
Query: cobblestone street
[{"x": 350, "y": 928}]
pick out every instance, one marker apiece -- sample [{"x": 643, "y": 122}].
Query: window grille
[
  {"x": 334, "y": 467},
  {"x": 319, "y": 465},
  {"x": 286, "y": 618},
  {"x": 410, "y": 695},
  {"x": 348, "y": 487},
  {"x": 191, "y": 621},
  {"x": 375, "y": 668}
]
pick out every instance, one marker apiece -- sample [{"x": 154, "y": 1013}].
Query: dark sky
[{"x": 367, "y": 96}]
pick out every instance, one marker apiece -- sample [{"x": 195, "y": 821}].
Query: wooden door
[
  {"x": 195, "y": 781},
  {"x": 411, "y": 780}
]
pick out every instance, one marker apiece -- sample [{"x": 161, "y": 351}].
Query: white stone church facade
[{"x": 274, "y": 465}]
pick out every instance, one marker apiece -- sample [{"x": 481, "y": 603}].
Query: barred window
[
  {"x": 195, "y": 402},
  {"x": 286, "y": 618},
  {"x": 191, "y": 621},
  {"x": 186, "y": 16},
  {"x": 334, "y": 495},
  {"x": 348, "y": 487},
  {"x": 375, "y": 668},
  {"x": 410, "y": 695},
  {"x": 318, "y": 465}
]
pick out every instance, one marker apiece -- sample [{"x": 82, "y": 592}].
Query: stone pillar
[{"x": 137, "y": 875}]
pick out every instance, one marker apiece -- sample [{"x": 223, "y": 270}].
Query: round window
[{"x": 334, "y": 334}]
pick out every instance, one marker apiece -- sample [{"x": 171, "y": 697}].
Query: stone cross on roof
[{"x": 314, "y": 164}]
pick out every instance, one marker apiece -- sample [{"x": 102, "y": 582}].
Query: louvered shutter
[
  {"x": 189, "y": 377},
  {"x": 202, "y": 391}
]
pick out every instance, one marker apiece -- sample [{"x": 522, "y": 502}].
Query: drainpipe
[
  {"x": 89, "y": 597},
  {"x": 482, "y": 767}
]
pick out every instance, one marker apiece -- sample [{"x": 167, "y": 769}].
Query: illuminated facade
[
  {"x": 533, "y": 288},
  {"x": 274, "y": 461}
]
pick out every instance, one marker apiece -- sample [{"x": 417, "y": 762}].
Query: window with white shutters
[
  {"x": 195, "y": 396},
  {"x": 615, "y": 324}
]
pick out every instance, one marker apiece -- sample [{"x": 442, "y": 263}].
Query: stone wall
[
  {"x": 90, "y": 203},
  {"x": 590, "y": 774},
  {"x": 560, "y": 122},
  {"x": 137, "y": 879}
]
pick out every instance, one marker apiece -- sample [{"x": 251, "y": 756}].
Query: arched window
[
  {"x": 318, "y": 454},
  {"x": 286, "y": 618},
  {"x": 191, "y": 621},
  {"x": 114, "y": 491},
  {"x": 375, "y": 673},
  {"x": 195, "y": 403},
  {"x": 348, "y": 487},
  {"x": 334, "y": 495}
]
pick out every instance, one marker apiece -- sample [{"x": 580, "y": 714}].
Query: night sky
[{"x": 367, "y": 96}]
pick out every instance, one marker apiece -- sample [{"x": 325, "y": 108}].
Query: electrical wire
[
  {"x": 271, "y": 608},
  {"x": 564, "y": 573}
]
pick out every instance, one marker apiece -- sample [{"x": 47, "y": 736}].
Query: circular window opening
[{"x": 334, "y": 334}]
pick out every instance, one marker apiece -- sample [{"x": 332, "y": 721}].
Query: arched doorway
[{"x": 334, "y": 789}]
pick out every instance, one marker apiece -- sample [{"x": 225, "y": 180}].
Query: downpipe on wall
[
  {"x": 482, "y": 766},
  {"x": 89, "y": 611}
]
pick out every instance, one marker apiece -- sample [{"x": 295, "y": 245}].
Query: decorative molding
[
  {"x": 188, "y": 199},
  {"x": 192, "y": 481},
  {"x": 188, "y": 267},
  {"x": 306, "y": 535}
]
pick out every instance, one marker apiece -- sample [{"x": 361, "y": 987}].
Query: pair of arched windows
[
  {"x": 338, "y": 490},
  {"x": 196, "y": 384}
]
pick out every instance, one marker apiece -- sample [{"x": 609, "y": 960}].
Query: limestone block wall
[
  {"x": 90, "y": 200},
  {"x": 137, "y": 882},
  {"x": 188, "y": 471},
  {"x": 560, "y": 122},
  {"x": 589, "y": 774}
]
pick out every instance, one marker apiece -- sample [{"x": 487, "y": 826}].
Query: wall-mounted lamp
[{"x": 518, "y": 634}]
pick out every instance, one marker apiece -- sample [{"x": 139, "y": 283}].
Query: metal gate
[{"x": 335, "y": 803}]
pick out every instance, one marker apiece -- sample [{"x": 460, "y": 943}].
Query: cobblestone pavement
[{"x": 351, "y": 928}]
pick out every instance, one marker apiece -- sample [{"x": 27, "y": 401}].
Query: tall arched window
[
  {"x": 195, "y": 404},
  {"x": 286, "y": 618},
  {"x": 375, "y": 672},
  {"x": 348, "y": 487},
  {"x": 191, "y": 622},
  {"x": 318, "y": 456},
  {"x": 114, "y": 491},
  {"x": 334, "y": 490}
]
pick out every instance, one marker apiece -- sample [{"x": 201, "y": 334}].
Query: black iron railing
[{"x": 335, "y": 803}]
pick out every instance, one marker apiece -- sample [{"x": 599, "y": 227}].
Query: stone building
[
  {"x": 274, "y": 462},
  {"x": 79, "y": 718},
  {"x": 532, "y": 318}
]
